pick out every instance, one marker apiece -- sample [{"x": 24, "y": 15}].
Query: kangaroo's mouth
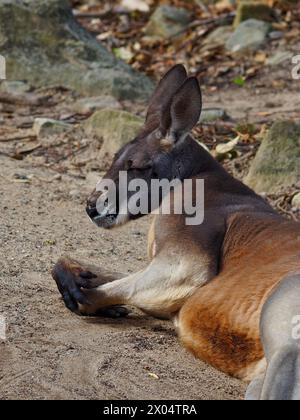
[{"x": 105, "y": 222}]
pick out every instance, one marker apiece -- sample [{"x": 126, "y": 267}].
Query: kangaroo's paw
[{"x": 72, "y": 280}]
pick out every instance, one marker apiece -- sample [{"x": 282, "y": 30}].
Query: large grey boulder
[
  {"x": 277, "y": 163},
  {"x": 43, "y": 44},
  {"x": 249, "y": 35},
  {"x": 115, "y": 128}
]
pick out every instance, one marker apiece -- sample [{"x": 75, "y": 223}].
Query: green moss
[{"x": 249, "y": 10}]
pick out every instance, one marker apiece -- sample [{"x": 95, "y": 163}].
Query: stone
[
  {"x": 279, "y": 57},
  {"x": 296, "y": 201},
  {"x": 92, "y": 178},
  {"x": 210, "y": 115},
  {"x": 218, "y": 37},
  {"x": 167, "y": 22},
  {"x": 252, "y": 10},
  {"x": 116, "y": 128},
  {"x": 44, "y": 127},
  {"x": 249, "y": 35},
  {"x": 277, "y": 162},
  {"x": 45, "y": 45},
  {"x": 89, "y": 105},
  {"x": 276, "y": 35},
  {"x": 14, "y": 87}
]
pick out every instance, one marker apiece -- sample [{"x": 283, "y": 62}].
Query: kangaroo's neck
[{"x": 193, "y": 160}]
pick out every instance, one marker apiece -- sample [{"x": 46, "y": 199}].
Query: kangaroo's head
[{"x": 156, "y": 153}]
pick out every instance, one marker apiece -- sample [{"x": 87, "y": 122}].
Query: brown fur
[{"x": 220, "y": 322}]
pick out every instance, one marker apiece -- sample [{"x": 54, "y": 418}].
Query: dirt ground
[{"x": 51, "y": 353}]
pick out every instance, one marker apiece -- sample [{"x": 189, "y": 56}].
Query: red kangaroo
[{"x": 231, "y": 284}]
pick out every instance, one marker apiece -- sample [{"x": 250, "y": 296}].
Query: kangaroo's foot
[{"x": 72, "y": 276}]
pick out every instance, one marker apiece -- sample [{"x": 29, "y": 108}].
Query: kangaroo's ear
[
  {"x": 185, "y": 110},
  {"x": 166, "y": 89}
]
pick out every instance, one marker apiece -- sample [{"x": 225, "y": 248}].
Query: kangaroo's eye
[
  {"x": 128, "y": 164},
  {"x": 155, "y": 174}
]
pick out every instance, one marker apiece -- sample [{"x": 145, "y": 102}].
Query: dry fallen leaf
[
  {"x": 153, "y": 375},
  {"x": 260, "y": 57}
]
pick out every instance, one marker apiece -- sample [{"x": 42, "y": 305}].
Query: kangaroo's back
[{"x": 221, "y": 322}]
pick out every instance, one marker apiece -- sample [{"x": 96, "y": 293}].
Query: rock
[
  {"x": 251, "y": 10},
  {"x": 14, "y": 87},
  {"x": 249, "y": 35},
  {"x": 43, "y": 44},
  {"x": 296, "y": 201},
  {"x": 279, "y": 57},
  {"x": 210, "y": 115},
  {"x": 88, "y": 105},
  {"x": 167, "y": 22},
  {"x": 47, "y": 127},
  {"x": 218, "y": 37},
  {"x": 116, "y": 128},
  {"x": 277, "y": 163}
]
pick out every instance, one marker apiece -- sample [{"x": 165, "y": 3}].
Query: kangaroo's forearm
[{"x": 154, "y": 291}]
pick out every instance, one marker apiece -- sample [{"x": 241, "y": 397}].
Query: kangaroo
[{"x": 231, "y": 284}]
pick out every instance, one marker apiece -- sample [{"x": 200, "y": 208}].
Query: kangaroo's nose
[{"x": 91, "y": 207}]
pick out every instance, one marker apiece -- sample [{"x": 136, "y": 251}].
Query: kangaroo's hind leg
[
  {"x": 280, "y": 333},
  {"x": 73, "y": 275}
]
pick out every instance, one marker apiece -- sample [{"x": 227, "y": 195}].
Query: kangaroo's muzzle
[{"x": 98, "y": 213}]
